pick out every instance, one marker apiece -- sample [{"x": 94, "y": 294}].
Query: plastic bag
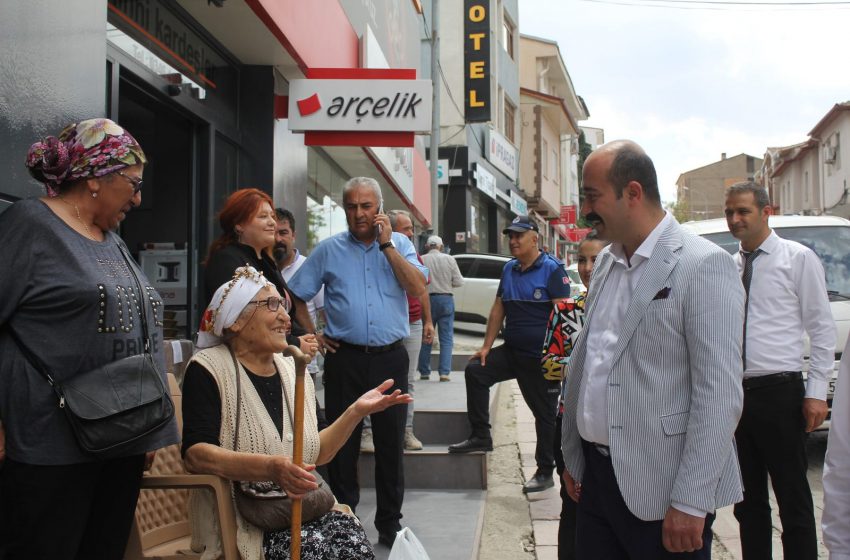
[{"x": 407, "y": 547}]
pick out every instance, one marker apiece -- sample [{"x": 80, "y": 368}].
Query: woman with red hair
[{"x": 248, "y": 224}]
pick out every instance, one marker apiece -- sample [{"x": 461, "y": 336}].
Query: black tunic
[{"x": 221, "y": 265}]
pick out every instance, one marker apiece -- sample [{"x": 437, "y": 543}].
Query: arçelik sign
[{"x": 360, "y": 105}]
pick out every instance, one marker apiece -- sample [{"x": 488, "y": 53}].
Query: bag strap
[
  {"x": 239, "y": 396},
  {"x": 142, "y": 300},
  {"x": 37, "y": 365}
]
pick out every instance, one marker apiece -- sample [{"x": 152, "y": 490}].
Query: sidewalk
[
  {"x": 545, "y": 507},
  {"x": 501, "y": 523}
]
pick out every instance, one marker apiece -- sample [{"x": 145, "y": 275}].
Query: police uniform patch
[{"x": 538, "y": 293}]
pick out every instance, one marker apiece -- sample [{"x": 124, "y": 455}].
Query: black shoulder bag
[
  {"x": 265, "y": 504},
  {"x": 116, "y": 404}
]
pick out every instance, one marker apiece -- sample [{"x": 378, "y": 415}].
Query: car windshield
[{"x": 830, "y": 243}]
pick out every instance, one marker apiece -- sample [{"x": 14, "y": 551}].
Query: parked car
[
  {"x": 576, "y": 285},
  {"x": 481, "y": 273},
  {"x": 829, "y": 238}
]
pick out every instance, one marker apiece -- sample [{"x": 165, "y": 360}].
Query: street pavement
[{"x": 544, "y": 508}]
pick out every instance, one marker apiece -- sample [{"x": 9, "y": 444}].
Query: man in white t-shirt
[{"x": 289, "y": 260}]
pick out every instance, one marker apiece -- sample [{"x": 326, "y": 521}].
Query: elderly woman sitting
[{"x": 245, "y": 328}]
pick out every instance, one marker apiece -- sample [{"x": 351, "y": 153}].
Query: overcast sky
[{"x": 689, "y": 84}]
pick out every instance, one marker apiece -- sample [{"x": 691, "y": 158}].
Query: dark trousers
[
  {"x": 771, "y": 439},
  {"x": 348, "y": 374},
  {"x": 607, "y": 529},
  {"x": 567, "y": 525},
  {"x": 62, "y": 512},
  {"x": 541, "y": 396}
]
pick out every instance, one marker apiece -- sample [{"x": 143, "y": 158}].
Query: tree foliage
[
  {"x": 584, "y": 150},
  {"x": 681, "y": 210}
]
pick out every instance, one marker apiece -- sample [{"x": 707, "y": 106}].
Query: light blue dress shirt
[{"x": 364, "y": 302}]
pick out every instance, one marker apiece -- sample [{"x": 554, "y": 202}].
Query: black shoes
[
  {"x": 387, "y": 538},
  {"x": 472, "y": 444},
  {"x": 538, "y": 483}
]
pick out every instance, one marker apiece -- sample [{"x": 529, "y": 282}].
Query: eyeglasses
[
  {"x": 136, "y": 182},
  {"x": 273, "y": 303}
]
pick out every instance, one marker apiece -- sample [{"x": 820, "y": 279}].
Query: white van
[{"x": 829, "y": 238}]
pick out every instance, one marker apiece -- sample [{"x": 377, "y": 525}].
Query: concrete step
[
  {"x": 441, "y": 427},
  {"x": 433, "y": 468},
  {"x": 458, "y": 362}
]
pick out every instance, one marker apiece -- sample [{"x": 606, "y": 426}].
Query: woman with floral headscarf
[{"x": 70, "y": 297}]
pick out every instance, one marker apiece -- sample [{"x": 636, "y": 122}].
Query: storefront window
[
  {"x": 325, "y": 214},
  {"x": 479, "y": 238},
  {"x": 163, "y": 39},
  {"x": 502, "y": 221}
]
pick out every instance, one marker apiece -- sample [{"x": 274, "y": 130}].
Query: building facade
[
  {"x": 479, "y": 194},
  {"x": 833, "y": 158},
  {"x": 203, "y": 87},
  {"x": 550, "y": 111},
  {"x": 703, "y": 188},
  {"x": 791, "y": 175}
]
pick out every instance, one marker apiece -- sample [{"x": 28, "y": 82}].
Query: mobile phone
[{"x": 378, "y": 227}]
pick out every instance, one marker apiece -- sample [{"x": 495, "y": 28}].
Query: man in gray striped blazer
[{"x": 654, "y": 389}]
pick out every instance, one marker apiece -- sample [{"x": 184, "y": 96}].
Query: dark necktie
[{"x": 747, "y": 278}]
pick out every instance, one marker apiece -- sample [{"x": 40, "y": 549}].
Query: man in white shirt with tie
[
  {"x": 653, "y": 392},
  {"x": 786, "y": 296}
]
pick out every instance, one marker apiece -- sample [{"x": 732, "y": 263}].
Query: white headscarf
[{"x": 227, "y": 304}]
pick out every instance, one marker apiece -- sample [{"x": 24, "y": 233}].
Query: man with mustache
[
  {"x": 421, "y": 329},
  {"x": 654, "y": 392},
  {"x": 532, "y": 282},
  {"x": 367, "y": 272},
  {"x": 289, "y": 261}
]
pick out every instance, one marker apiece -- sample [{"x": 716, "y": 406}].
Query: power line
[
  {"x": 727, "y": 6},
  {"x": 753, "y": 3},
  {"x": 449, "y": 92}
]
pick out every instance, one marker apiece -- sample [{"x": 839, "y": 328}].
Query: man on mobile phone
[{"x": 367, "y": 271}]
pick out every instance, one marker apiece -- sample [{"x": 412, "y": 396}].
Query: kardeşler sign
[
  {"x": 476, "y": 60},
  {"x": 518, "y": 205},
  {"x": 485, "y": 181},
  {"x": 360, "y": 105}
]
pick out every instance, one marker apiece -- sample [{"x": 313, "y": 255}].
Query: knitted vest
[{"x": 257, "y": 434}]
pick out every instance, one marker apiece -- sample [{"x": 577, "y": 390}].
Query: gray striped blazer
[{"x": 674, "y": 392}]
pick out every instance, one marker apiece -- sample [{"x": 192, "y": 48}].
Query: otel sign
[{"x": 360, "y": 105}]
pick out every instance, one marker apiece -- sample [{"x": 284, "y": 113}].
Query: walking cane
[{"x": 301, "y": 362}]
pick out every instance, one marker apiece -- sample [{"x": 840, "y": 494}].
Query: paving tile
[
  {"x": 527, "y": 448},
  {"x": 546, "y": 552},
  {"x": 545, "y": 505},
  {"x": 545, "y": 532}
]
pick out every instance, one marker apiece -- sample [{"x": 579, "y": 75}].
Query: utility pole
[{"x": 434, "y": 151}]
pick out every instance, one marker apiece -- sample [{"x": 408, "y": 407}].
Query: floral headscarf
[{"x": 90, "y": 148}]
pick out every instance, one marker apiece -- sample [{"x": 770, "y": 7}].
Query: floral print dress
[{"x": 333, "y": 536}]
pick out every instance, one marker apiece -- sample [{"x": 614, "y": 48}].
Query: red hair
[{"x": 240, "y": 208}]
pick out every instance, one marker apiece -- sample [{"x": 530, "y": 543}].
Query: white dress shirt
[
  {"x": 609, "y": 312},
  {"x": 318, "y": 301},
  {"x": 787, "y": 297},
  {"x": 836, "y": 469},
  {"x": 313, "y": 306}
]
